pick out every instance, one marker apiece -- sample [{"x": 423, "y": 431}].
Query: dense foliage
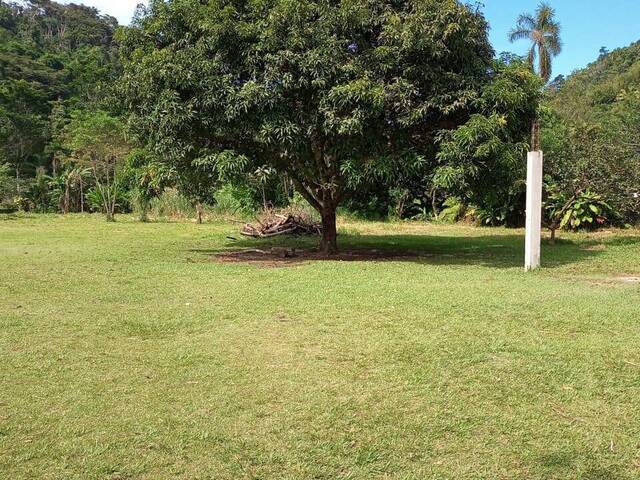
[
  {"x": 54, "y": 59},
  {"x": 592, "y": 126},
  {"x": 595, "y": 90},
  {"x": 323, "y": 92},
  {"x": 381, "y": 108},
  {"x": 482, "y": 160}
]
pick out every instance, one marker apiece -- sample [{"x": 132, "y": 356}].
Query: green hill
[{"x": 594, "y": 90}]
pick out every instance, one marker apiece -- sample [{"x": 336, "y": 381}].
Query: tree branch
[{"x": 308, "y": 196}]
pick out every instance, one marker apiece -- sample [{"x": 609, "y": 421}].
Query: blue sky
[{"x": 587, "y": 25}]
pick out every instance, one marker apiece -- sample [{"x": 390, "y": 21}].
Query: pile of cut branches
[{"x": 272, "y": 224}]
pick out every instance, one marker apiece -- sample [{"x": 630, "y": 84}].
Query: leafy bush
[
  {"x": 453, "y": 210},
  {"x": 40, "y": 193},
  {"x": 140, "y": 204},
  {"x": 492, "y": 217},
  {"x": 147, "y": 178},
  {"x": 581, "y": 210},
  {"x": 22, "y": 203},
  {"x": 96, "y": 202},
  {"x": 234, "y": 199},
  {"x": 503, "y": 208},
  {"x": 586, "y": 211}
]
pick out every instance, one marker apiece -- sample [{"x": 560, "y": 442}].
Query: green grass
[{"x": 126, "y": 352}]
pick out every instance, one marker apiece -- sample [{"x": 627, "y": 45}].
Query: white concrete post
[{"x": 534, "y": 211}]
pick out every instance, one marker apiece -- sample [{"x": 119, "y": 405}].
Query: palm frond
[
  {"x": 552, "y": 27},
  {"x": 553, "y": 44},
  {"x": 519, "y": 34},
  {"x": 526, "y": 20},
  {"x": 543, "y": 30},
  {"x": 545, "y": 14}
]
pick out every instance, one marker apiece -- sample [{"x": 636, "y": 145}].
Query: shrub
[
  {"x": 96, "y": 202},
  {"x": 452, "y": 211},
  {"x": 587, "y": 211},
  {"x": 235, "y": 200}
]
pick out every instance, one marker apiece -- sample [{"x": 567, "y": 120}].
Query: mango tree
[{"x": 320, "y": 91}]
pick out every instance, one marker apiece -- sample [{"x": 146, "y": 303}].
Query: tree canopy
[
  {"x": 542, "y": 29},
  {"x": 593, "y": 92},
  {"x": 319, "y": 90},
  {"x": 592, "y": 131},
  {"x": 54, "y": 58}
]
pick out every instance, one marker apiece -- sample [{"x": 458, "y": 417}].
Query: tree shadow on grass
[
  {"x": 496, "y": 251},
  {"x": 563, "y": 462}
]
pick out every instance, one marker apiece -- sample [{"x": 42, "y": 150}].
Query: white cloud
[{"x": 121, "y": 9}]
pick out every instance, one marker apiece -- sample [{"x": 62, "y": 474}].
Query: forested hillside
[
  {"x": 591, "y": 133},
  {"x": 55, "y": 61},
  {"x": 595, "y": 89},
  {"x": 169, "y": 114}
]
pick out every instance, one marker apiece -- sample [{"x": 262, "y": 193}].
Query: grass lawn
[{"x": 127, "y": 351}]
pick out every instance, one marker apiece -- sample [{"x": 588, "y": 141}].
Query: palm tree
[{"x": 543, "y": 30}]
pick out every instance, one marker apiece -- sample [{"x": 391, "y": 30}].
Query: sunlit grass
[{"x": 126, "y": 351}]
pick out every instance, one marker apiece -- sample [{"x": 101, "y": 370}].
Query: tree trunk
[
  {"x": 111, "y": 211},
  {"x": 199, "y": 212},
  {"x": 552, "y": 240},
  {"x": 434, "y": 202},
  {"x": 400, "y": 206},
  {"x": 535, "y": 135},
  {"x": 67, "y": 197},
  {"x": 144, "y": 209},
  {"x": 329, "y": 241}
]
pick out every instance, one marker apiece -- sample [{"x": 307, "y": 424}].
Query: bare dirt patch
[
  {"x": 616, "y": 280},
  {"x": 598, "y": 247},
  {"x": 630, "y": 280}
]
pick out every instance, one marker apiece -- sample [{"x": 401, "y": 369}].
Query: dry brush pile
[{"x": 272, "y": 223}]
